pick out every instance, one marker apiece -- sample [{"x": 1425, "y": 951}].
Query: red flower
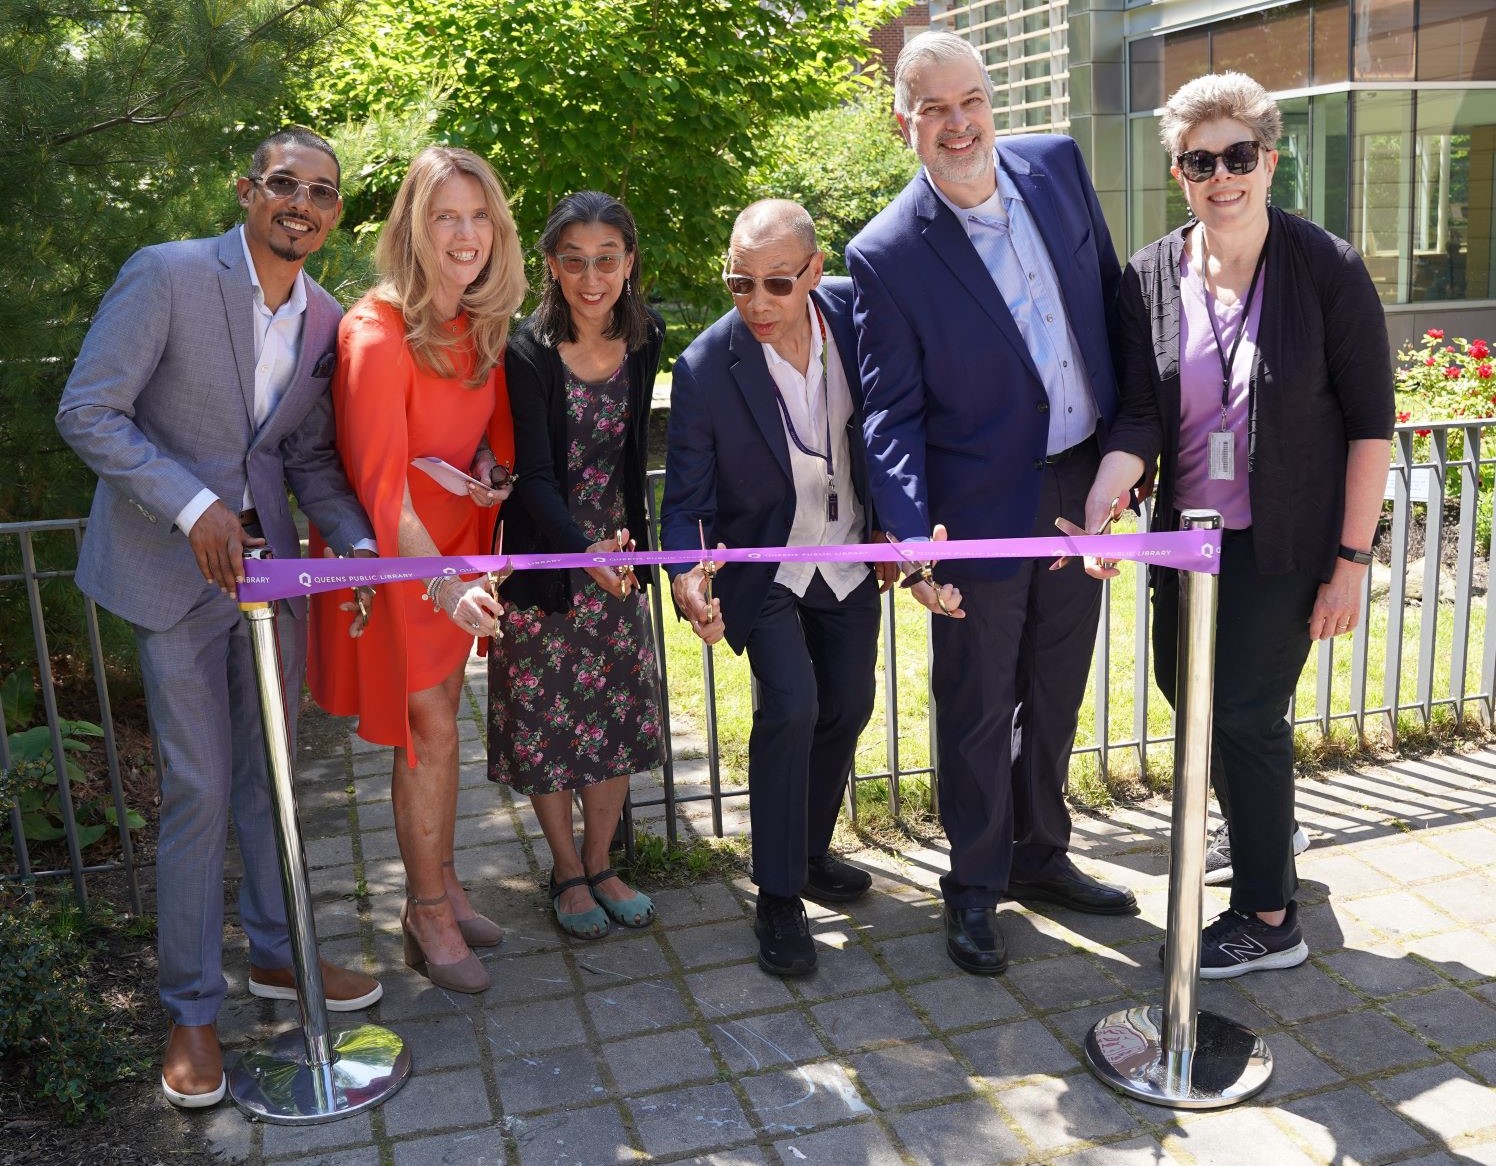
[
  {"x": 1484, "y": 372},
  {"x": 1478, "y": 350},
  {"x": 1452, "y": 372},
  {"x": 1431, "y": 362},
  {"x": 1435, "y": 333},
  {"x": 1422, "y": 432},
  {"x": 1449, "y": 348},
  {"x": 1403, "y": 417}
]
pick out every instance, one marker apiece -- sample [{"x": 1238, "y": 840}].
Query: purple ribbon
[{"x": 1179, "y": 550}]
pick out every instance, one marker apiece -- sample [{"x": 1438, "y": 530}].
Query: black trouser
[
  {"x": 813, "y": 659},
  {"x": 1026, "y": 639},
  {"x": 1262, "y": 641}
]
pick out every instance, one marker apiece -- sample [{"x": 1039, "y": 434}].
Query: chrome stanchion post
[
  {"x": 1176, "y": 1055},
  {"x": 321, "y": 1072}
]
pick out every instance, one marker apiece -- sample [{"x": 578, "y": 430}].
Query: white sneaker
[{"x": 1218, "y": 853}]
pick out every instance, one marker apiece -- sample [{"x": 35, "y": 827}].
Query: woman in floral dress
[{"x": 573, "y": 688}]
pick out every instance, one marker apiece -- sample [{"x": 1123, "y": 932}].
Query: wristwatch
[{"x": 1351, "y": 555}]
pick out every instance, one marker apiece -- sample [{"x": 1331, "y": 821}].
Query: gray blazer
[{"x": 160, "y": 404}]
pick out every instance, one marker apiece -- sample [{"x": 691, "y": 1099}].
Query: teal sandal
[
  {"x": 591, "y": 924},
  {"x": 636, "y": 911}
]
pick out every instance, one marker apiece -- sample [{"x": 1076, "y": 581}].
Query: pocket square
[{"x": 325, "y": 364}]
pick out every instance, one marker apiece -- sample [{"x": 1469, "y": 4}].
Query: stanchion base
[
  {"x": 275, "y": 1083},
  {"x": 1231, "y": 1062}
]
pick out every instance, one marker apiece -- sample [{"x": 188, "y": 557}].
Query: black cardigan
[
  {"x": 536, "y": 517},
  {"x": 1323, "y": 378}
]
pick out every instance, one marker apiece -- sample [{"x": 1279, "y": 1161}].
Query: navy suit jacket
[
  {"x": 957, "y": 419},
  {"x": 728, "y": 461}
]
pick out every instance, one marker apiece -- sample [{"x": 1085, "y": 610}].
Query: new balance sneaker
[
  {"x": 1238, "y": 943},
  {"x": 1218, "y": 853},
  {"x": 784, "y": 944}
]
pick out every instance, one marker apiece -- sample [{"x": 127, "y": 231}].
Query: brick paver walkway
[{"x": 669, "y": 1045}]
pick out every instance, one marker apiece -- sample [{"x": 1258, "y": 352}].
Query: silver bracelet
[{"x": 434, "y": 589}]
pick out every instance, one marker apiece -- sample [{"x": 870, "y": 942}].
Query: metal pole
[
  {"x": 1175, "y": 1055},
  {"x": 320, "y": 1073}
]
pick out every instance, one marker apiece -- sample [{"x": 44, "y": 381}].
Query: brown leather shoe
[
  {"x": 345, "y": 989},
  {"x": 192, "y": 1068}
]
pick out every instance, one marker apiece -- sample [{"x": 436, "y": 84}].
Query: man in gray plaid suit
[{"x": 199, "y": 395}]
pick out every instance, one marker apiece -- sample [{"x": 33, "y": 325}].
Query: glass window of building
[
  {"x": 1384, "y": 40},
  {"x": 1453, "y": 214},
  {"x": 1272, "y": 46},
  {"x": 1456, "y": 40}
]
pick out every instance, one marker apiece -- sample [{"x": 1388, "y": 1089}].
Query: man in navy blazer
[
  {"x": 200, "y": 394},
  {"x": 982, "y": 299},
  {"x": 765, "y": 449}
]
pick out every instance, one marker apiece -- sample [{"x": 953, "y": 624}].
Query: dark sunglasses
[
  {"x": 775, "y": 285},
  {"x": 1200, "y": 165},
  {"x": 278, "y": 186}
]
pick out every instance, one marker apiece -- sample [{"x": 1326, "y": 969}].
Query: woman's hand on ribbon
[
  {"x": 470, "y": 605},
  {"x": 608, "y": 578},
  {"x": 940, "y": 598}
]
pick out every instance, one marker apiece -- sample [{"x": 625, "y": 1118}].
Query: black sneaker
[
  {"x": 830, "y": 880},
  {"x": 784, "y": 944},
  {"x": 1238, "y": 943},
  {"x": 1218, "y": 853}
]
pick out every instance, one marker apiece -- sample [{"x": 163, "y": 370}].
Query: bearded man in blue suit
[{"x": 982, "y": 298}]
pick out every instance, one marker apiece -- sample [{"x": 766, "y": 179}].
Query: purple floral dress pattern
[{"x": 574, "y": 695}]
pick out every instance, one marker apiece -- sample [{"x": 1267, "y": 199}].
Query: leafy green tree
[
  {"x": 660, "y": 102},
  {"x": 843, "y": 165}
]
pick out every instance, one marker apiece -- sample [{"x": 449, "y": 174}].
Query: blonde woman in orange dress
[{"x": 420, "y": 373}]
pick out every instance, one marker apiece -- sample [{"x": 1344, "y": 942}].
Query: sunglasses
[
  {"x": 1200, "y": 165},
  {"x": 606, "y": 264},
  {"x": 775, "y": 285},
  {"x": 279, "y": 186}
]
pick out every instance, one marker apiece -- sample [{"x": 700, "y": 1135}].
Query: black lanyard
[
  {"x": 1228, "y": 360},
  {"x": 789, "y": 424}
]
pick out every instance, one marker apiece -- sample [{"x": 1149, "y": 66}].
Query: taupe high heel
[
  {"x": 479, "y": 931},
  {"x": 465, "y": 975}
]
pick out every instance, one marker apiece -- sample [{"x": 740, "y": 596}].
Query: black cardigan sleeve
[{"x": 536, "y": 383}]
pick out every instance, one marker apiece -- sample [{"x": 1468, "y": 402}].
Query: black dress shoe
[
  {"x": 973, "y": 941},
  {"x": 830, "y": 880},
  {"x": 784, "y": 944},
  {"x": 1073, "y": 888}
]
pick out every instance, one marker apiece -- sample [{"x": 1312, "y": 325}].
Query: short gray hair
[
  {"x": 926, "y": 47},
  {"x": 1215, "y": 97}
]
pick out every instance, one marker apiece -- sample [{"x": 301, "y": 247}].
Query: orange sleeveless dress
[{"x": 388, "y": 410}]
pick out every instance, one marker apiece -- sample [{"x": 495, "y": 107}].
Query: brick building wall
[{"x": 888, "y": 39}]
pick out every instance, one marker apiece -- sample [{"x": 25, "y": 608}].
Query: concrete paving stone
[
  {"x": 858, "y": 1021},
  {"x": 407, "y": 993},
  {"x": 1295, "y": 1069},
  {"x": 847, "y": 968},
  {"x": 740, "y": 1156},
  {"x": 713, "y": 943},
  {"x": 1350, "y": 1123},
  {"x": 489, "y": 863},
  {"x": 572, "y": 1137},
  {"x": 863, "y": 1144},
  {"x": 911, "y": 1074},
  {"x": 482, "y": 800},
  {"x": 1059, "y": 1110},
  {"x": 530, "y": 976},
  {"x": 643, "y": 1064},
  {"x": 480, "y": 830},
  {"x": 1344, "y": 873},
  {"x": 707, "y": 903},
  {"x": 630, "y": 955},
  {"x": 228, "y": 1135},
  {"x": 441, "y": 1043},
  {"x": 1093, "y": 932},
  {"x": 1381, "y": 971},
  {"x": 385, "y": 876},
  {"x": 1030, "y": 935},
  {"x": 1448, "y": 1018},
  {"x": 962, "y": 1000},
  {"x": 360, "y": 1157},
  {"x": 1399, "y": 914},
  {"x": 1488, "y": 992},
  {"x": 337, "y": 918},
  {"x": 1474, "y": 846},
  {"x": 1363, "y": 1042},
  {"x": 804, "y": 1098},
  {"x": 285, "y": 1140},
  {"x": 1470, "y": 898},
  {"x": 1409, "y": 861},
  {"x": 334, "y": 850},
  {"x": 378, "y": 844},
  {"x": 563, "y": 1078},
  {"x": 375, "y": 815},
  {"x": 706, "y": 1117},
  {"x": 921, "y": 956},
  {"x": 542, "y": 1024},
  {"x": 961, "y": 1132},
  {"x": 434, "y": 1100},
  {"x": 741, "y": 988},
  {"x": 1442, "y": 1099},
  {"x": 1235, "y": 1137},
  {"x": 1330, "y": 927},
  {"x": 1295, "y": 994},
  {"x": 1063, "y": 982},
  {"x": 1479, "y": 1155},
  {"x": 761, "y": 1042},
  {"x": 1133, "y": 1152},
  {"x": 1483, "y": 1065},
  {"x": 633, "y": 1008},
  {"x": 1464, "y": 956},
  {"x": 1007, "y": 1053},
  {"x": 458, "y": 1148},
  {"x": 883, "y": 915}
]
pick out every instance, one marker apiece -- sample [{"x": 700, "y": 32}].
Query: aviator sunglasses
[
  {"x": 1200, "y": 165},
  {"x": 775, "y": 285},
  {"x": 279, "y": 186}
]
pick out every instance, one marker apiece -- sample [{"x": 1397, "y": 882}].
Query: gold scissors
[
  {"x": 708, "y": 568},
  {"x": 924, "y": 572},
  {"x": 625, "y": 575}
]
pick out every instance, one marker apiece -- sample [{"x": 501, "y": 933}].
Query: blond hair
[
  {"x": 1220, "y": 97},
  {"x": 408, "y": 262}
]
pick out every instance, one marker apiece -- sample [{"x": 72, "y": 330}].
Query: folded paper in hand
[{"x": 451, "y": 479}]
